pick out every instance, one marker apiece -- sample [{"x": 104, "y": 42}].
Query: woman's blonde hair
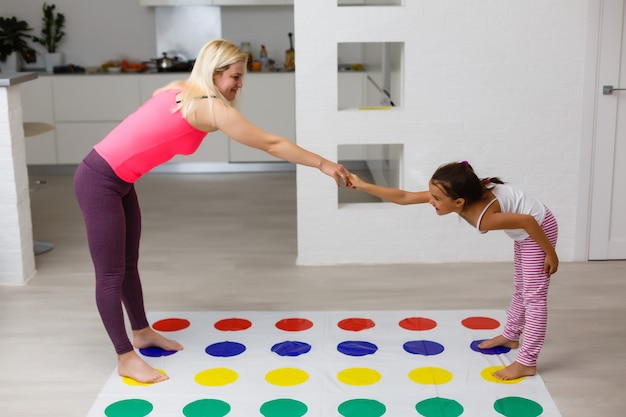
[{"x": 215, "y": 57}]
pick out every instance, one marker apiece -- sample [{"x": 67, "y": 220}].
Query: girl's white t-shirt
[{"x": 514, "y": 200}]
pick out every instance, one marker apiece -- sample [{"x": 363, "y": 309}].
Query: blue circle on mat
[
  {"x": 156, "y": 352},
  {"x": 225, "y": 349},
  {"x": 423, "y": 347},
  {"x": 491, "y": 351},
  {"x": 291, "y": 348},
  {"x": 357, "y": 348}
]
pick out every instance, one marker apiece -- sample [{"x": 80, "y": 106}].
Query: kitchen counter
[{"x": 13, "y": 78}]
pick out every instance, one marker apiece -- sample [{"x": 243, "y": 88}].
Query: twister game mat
[{"x": 328, "y": 364}]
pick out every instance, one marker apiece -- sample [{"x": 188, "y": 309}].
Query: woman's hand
[{"x": 335, "y": 170}]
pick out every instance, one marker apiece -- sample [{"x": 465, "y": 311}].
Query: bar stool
[{"x": 34, "y": 129}]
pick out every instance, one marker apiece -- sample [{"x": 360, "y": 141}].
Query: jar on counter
[{"x": 246, "y": 48}]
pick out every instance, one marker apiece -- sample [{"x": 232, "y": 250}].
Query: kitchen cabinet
[
  {"x": 75, "y": 139},
  {"x": 94, "y": 98},
  {"x": 350, "y": 87},
  {"x": 36, "y": 98},
  {"x": 84, "y": 108}
]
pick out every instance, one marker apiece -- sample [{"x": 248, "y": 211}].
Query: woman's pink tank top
[{"x": 149, "y": 137}]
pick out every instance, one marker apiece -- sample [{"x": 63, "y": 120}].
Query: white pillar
[{"x": 17, "y": 259}]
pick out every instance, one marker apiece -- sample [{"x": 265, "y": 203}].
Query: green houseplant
[
  {"x": 51, "y": 29},
  {"x": 14, "y": 37},
  {"x": 52, "y": 25}
]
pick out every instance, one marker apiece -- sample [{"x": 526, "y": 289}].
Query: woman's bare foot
[
  {"x": 499, "y": 341},
  {"x": 130, "y": 365},
  {"x": 514, "y": 371},
  {"x": 147, "y": 337}
]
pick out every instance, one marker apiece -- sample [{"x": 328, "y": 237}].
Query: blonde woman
[{"x": 174, "y": 121}]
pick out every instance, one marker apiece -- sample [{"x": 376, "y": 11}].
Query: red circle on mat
[
  {"x": 417, "y": 323},
  {"x": 232, "y": 324},
  {"x": 480, "y": 323},
  {"x": 356, "y": 324},
  {"x": 294, "y": 324},
  {"x": 171, "y": 325}
]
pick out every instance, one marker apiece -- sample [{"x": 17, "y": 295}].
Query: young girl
[{"x": 489, "y": 204}]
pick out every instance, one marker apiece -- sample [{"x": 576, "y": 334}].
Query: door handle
[{"x": 607, "y": 90}]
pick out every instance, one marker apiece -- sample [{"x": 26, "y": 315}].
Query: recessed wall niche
[
  {"x": 369, "y": 2},
  {"x": 376, "y": 163},
  {"x": 369, "y": 75}
]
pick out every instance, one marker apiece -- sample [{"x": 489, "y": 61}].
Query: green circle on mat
[
  {"x": 129, "y": 408},
  {"x": 439, "y": 407},
  {"x": 361, "y": 408},
  {"x": 206, "y": 408},
  {"x": 284, "y": 407},
  {"x": 517, "y": 407}
]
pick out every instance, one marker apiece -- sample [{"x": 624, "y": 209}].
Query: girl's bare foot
[
  {"x": 514, "y": 371},
  {"x": 499, "y": 341},
  {"x": 147, "y": 337},
  {"x": 130, "y": 365}
]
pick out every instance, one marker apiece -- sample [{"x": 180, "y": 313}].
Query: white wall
[{"x": 499, "y": 84}]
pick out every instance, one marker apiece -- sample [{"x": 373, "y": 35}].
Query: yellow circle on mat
[
  {"x": 430, "y": 376},
  {"x": 216, "y": 377},
  {"x": 287, "y": 377},
  {"x": 359, "y": 376},
  {"x": 130, "y": 381},
  {"x": 487, "y": 374}
]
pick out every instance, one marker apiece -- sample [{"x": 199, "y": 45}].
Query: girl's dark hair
[{"x": 458, "y": 180}]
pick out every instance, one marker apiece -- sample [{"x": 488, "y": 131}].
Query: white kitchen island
[{"x": 17, "y": 258}]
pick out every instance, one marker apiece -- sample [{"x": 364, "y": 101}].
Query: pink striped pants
[{"x": 528, "y": 313}]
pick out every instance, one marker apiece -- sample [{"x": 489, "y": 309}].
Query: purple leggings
[{"x": 113, "y": 222}]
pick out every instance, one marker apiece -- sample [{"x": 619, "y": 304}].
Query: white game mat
[{"x": 328, "y": 364}]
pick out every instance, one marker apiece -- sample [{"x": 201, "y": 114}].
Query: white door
[{"x": 607, "y": 237}]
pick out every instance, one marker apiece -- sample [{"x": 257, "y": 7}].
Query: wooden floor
[{"x": 228, "y": 242}]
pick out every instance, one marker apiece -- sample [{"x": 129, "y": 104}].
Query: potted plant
[
  {"x": 14, "y": 43},
  {"x": 52, "y": 32}
]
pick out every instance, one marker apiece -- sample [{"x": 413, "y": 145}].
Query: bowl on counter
[{"x": 114, "y": 70}]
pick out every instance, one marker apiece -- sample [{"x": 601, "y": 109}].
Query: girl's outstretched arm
[{"x": 388, "y": 194}]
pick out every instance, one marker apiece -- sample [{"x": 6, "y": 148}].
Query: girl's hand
[
  {"x": 551, "y": 264},
  {"x": 354, "y": 181}
]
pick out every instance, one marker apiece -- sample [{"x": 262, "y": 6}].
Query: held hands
[
  {"x": 354, "y": 181},
  {"x": 337, "y": 171}
]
